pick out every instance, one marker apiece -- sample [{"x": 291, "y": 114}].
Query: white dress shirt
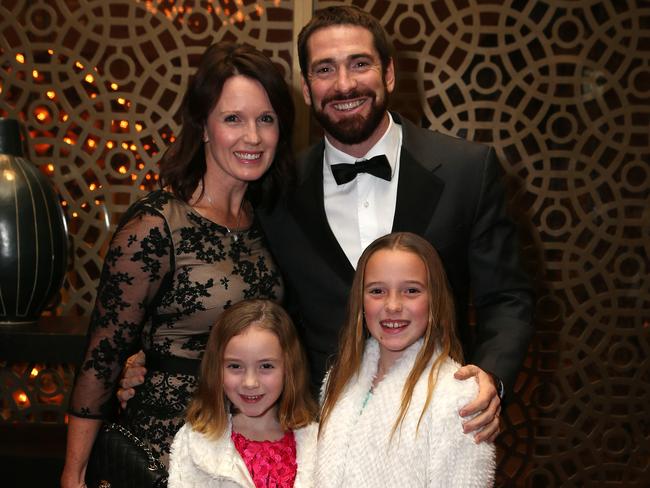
[{"x": 362, "y": 210}]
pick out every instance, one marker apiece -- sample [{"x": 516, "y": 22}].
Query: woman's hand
[{"x": 71, "y": 480}]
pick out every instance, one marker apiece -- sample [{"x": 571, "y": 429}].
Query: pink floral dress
[{"x": 272, "y": 464}]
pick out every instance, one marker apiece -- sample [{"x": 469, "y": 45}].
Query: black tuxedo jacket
[{"x": 449, "y": 192}]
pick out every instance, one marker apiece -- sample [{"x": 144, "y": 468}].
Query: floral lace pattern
[
  {"x": 167, "y": 276},
  {"x": 272, "y": 464}
]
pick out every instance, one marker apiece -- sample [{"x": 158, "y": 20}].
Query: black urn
[{"x": 33, "y": 234}]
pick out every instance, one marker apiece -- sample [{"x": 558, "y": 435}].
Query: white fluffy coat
[
  {"x": 198, "y": 461},
  {"x": 354, "y": 449}
]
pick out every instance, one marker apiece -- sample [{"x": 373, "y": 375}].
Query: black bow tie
[{"x": 377, "y": 166}]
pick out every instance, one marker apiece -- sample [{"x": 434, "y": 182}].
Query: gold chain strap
[{"x": 154, "y": 464}]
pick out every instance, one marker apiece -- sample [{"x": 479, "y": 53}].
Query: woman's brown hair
[
  {"x": 440, "y": 332},
  {"x": 208, "y": 410},
  {"x": 183, "y": 165}
]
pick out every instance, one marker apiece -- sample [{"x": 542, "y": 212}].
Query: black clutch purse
[{"x": 120, "y": 460}]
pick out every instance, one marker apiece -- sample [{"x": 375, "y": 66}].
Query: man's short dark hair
[{"x": 343, "y": 15}]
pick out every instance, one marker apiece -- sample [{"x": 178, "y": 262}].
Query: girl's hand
[
  {"x": 486, "y": 406},
  {"x": 132, "y": 376}
]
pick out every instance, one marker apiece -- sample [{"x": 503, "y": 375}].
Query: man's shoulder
[
  {"x": 432, "y": 148},
  {"x": 416, "y": 137},
  {"x": 311, "y": 153},
  {"x": 309, "y": 159}
]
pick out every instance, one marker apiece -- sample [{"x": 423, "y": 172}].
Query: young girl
[
  {"x": 251, "y": 422},
  {"x": 390, "y": 408}
]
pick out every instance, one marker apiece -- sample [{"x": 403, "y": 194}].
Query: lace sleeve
[{"x": 139, "y": 257}]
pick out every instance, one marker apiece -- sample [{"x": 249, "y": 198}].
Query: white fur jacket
[
  {"x": 198, "y": 461},
  {"x": 354, "y": 449}
]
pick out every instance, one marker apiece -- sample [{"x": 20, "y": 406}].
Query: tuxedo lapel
[
  {"x": 418, "y": 193},
  {"x": 308, "y": 208}
]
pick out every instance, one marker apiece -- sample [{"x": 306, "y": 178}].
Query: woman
[{"x": 184, "y": 253}]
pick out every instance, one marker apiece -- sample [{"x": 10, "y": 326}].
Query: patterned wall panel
[
  {"x": 98, "y": 83},
  {"x": 562, "y": 90},
  {"x": 34, "y": 392}
]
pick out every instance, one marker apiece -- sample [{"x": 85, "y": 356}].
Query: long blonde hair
[
  {"x": 208, "y": 410},
  {"x": 440, "y": 331}
]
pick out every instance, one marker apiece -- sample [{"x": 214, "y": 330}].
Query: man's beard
[{"x": 356, "y": 128}]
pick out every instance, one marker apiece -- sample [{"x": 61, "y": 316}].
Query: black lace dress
[{"x": 168, "y": 274}]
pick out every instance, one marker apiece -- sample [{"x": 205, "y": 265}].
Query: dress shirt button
[{"x": 365, "y": 204}]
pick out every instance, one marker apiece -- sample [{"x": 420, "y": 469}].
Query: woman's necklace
[{"x": 231, "y": 232}]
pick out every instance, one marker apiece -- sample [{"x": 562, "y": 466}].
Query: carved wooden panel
[{"x": 34, "y": 392}]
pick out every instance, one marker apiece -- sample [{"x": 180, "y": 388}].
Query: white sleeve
[
  {"x": 179, "y": 459},
  {"x": 455, "y": 459}
]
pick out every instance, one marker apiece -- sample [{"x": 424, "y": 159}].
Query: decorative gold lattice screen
[
  {"x": 98, "y": 84},
  {"x": 562, "y": 90}
]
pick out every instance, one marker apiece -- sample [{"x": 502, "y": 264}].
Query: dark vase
[{"x": 33, "y": 234}]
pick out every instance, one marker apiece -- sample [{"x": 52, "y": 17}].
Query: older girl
[{"x": 390, "y": 407}]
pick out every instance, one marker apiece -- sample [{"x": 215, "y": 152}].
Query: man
[{"x": 442, "y": 188}]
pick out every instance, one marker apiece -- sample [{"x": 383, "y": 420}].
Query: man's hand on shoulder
[
  {"x": 132, "y": 376},
  {"x": 486, "y": 406}
]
